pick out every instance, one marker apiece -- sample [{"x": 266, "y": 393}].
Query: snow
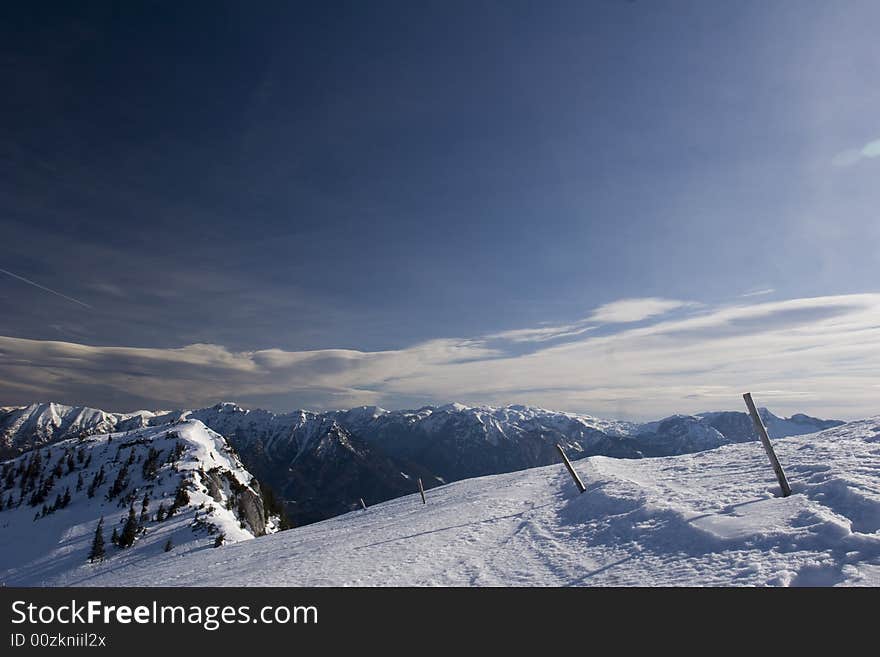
[
  {"x": 54, "y": 548},
  {"x": 708, "y": 518}
]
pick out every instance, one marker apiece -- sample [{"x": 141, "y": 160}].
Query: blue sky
[{"x": 218, "y": 201}]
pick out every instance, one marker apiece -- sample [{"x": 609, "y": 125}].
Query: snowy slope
[
  {"x": 222, "y": 499},
  {"x": 709, "y": 518}
]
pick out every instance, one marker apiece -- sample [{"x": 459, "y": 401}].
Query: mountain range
[{"x": 323, "y": 464}]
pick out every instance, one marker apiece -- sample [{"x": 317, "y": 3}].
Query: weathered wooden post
[
  {"x": 574, "y": 475},
  {"x": 422, "y": 491},
  {"x": 363, "y": 506},
  {"x": 765, "y": 440}
]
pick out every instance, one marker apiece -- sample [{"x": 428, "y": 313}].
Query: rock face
[{"x": 246, "y": 501}]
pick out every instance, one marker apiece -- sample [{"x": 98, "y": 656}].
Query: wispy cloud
[
  {"x": 543, "y": 334},
  {"x": 44, "y": 288},
  {"x": 816, "y": 355},
  {"x": 635, "y": 310},
  {"x": 758, "y": 293},
  {"x": 623, "y": 311},
  {"x": 853, "y": 156}
]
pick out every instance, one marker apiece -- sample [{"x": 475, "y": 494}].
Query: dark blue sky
[{"x": 372, "y": 176}]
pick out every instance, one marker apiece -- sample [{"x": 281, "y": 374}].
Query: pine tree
[
  {"x": 221, "y": 538},
  {"x": 79, "y": 482},
  {"x": 97, "y": 480},
  {"x": 181, "y": 496},
  {"x": 168, "y": 545},
  {"x": 129, "y": 530},
  {"x": 119, "y": 483},
  {"x": 97, "y": 551},
  {"x": 160, "y": 514},
  {"x": 115, "y": 537}
]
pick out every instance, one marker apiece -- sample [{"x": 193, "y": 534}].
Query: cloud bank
[{"x": 819, "y": 355}]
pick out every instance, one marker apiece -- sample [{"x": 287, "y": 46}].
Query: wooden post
[
  {"x": 574, "y": 475},
  {"x": 765, "y": 440},
  {"x": 422, "y": 491},
  {"x": 363, "y": 506}
]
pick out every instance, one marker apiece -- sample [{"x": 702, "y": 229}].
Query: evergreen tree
[
  {"x": 168, "y": 545},
  {"x": 96, "y": 481},
  {"x": 221, "y": 538},
  {"x": 79, "y": 482},
  {"x": 145, "y": 516},
  {"x": 160, "y": 514},
  {"x": 115, "y": 537},
  {"x": 97, "y": 551},
  {"x": 129, "y": 530},
  {"x": 181, "y": 495},
  {"x": 151, "y": 464},
  {"x": 65, "y": 500},
  {"x": 119, "y": 483}
]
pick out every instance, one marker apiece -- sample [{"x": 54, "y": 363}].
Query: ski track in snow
[{"x": 709, "y": 518}]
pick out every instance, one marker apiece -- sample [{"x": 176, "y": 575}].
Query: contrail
[{"x": 44, "y": 288}]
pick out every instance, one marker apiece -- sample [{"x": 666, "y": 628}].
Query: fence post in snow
[
  {"x": 422, "y": 491},
  {"x": 765, "y": 440},
  {"x": 363, "y": 506},
  {"x": 574, "y": 475}
]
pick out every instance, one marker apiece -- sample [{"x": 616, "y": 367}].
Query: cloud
[
  {"x": 853, "y": 156},
  {"x": 617, "y": 312},
  {"x": 758, "y": 293},
  {"x": 817, "y": 355},
  {"x": 543, "y": 334},
  {"x": 635, "y": 310}
]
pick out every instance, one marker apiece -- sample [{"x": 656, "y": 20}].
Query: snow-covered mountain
[
  {"x": 322, "y": 464},
  {"x": 709, "y": 518},
  {"x": 178, "y": 487},
  {"x": 25, "y": 427}
]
